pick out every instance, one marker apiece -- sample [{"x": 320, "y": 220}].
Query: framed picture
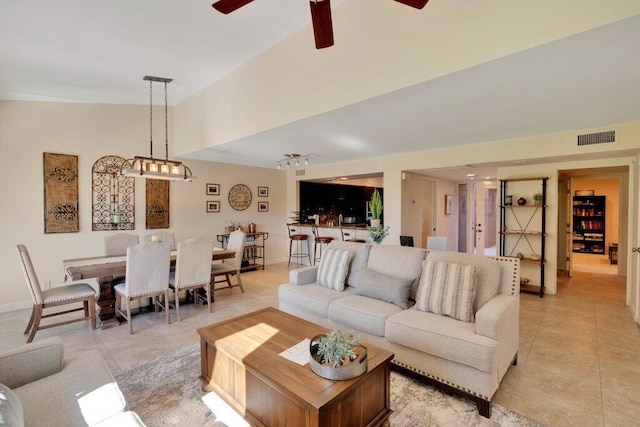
[
  {"x": 213, "y": 206},
  {"x": 213, "y": 189},
  {"x": 263, "y": 206},
  {"x": 263, "y": 191},
  {"x": 448, "y": 204}
]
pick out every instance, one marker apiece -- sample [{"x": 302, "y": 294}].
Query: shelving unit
[
  {"x": 523, "y": 228},
  {"x": 589, "y": 224},
  {"x": 254, "y": 249}
]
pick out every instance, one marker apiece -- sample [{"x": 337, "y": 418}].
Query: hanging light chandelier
[{"x": 150, "y": 167}]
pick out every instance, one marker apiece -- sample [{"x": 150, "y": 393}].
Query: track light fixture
[{"x": 292, "y": 157}]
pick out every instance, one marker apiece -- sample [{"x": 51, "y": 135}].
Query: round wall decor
[{"x": 239, "y": 197}]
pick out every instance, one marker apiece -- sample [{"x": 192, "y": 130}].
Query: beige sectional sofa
[
  {"x": 467, "y": 357},
  {"x": 38, "y": 387}
]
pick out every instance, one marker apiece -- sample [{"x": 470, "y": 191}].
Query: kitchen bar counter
[{"x": 356, "y": 231}]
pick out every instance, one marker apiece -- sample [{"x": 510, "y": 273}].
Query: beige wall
[{"x": 90, "y": 131}]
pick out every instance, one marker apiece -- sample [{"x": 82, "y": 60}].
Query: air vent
[
  {"x": 597, "y": 138},
  {"x": 300, "y": 172}
]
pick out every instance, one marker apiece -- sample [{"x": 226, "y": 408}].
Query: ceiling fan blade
[
  {"x": 228, "y": 6},
  {"x": 322, "y": 25},
  {"x": 418, "y": 4}
]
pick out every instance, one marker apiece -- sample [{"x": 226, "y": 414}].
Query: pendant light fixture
[{"x": 150, "y": 167}]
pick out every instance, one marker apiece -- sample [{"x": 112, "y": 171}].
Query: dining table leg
[{"x": 106, "y": 303}]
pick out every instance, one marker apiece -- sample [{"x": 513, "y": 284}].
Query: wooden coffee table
[{"x": 240, "y": 361}]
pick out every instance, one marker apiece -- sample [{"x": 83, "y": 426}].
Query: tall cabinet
[
  {"x": 589, "y": 224},
  {"x": 523, "y": 228}
]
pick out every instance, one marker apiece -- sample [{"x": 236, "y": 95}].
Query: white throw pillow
[
  {"x": 333, "y": 269},
  {"x": 447, "y": 289}
]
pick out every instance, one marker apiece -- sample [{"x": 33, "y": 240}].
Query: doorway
[
  {"x": 596, "y": 221},
  {"x": 477, "y": 229},
  {"x": 428, "y": 193}
]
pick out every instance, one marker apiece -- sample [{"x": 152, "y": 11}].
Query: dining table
[{"x": 107, "y": 268}]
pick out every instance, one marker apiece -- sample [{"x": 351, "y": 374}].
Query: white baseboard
[{"x": 4, "y": 308}]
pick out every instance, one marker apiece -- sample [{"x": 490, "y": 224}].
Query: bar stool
[
  {"x": 346, "y": 236},
  {"x": 318, "y": 242},
  {"x": 298, "y": 237}
]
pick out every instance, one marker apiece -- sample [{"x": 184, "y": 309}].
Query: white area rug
[{"x": 166, "y": 391}]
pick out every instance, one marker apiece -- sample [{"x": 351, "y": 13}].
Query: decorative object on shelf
[
  {"x": 213, "y": 189},
  {"x": 292, "y": 159},
  {"x": 524, "y": 281},
  {"x": 263, "y": 206},
  {"x": 519, "y": 255},
  {"x": 252, "y": 227},
  {"x": 378, "y": 234},
  {"x": 60, "y": 172},
  {"x": 337, "y": 356},
  {"x": 157, "y": 201},
  {"x": 537, "y": 199},
  {"x": 150, "y": 167},
  {"x": 239, "y": 197},
  {"x": 522, "y": 201},
  {"x": 448, "y": 204},
  {"x": 535, "y": 256},
  {"x": 375, "y": 206},
  {"x": 213, "y": 206},
  {"x": 508, "y": 200},
  {"x": 263, "y": 191},
  {"x": 113, "y": 195}
]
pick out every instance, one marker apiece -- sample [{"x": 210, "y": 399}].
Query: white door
[
  {"x": 484, "y": 228},
  {"x": 634, "y": 241},
  {"x": 428, "y": 210}
]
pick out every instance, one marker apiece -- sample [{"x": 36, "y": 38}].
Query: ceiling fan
[{"x": 320, "y": 16}]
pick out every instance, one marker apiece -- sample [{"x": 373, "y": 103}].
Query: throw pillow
[
  {"x": 333, "y": 269},
  {"x": 11, "y": 412},
  {"x": 447, "y": 289},
  {"x": 392, "y": 289}
]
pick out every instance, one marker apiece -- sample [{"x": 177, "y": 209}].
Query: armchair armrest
[
  {"x": 499, "y": 319},
  {"x": 304, "y": 275},
  {"x": 30, "y": 362}
]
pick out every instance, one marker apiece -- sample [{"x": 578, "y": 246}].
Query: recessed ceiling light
[
  {"x": 471, "y": 174},
  {"x": 344, "y": 178}
]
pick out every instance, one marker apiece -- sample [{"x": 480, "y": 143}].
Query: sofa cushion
[
  {"x": 334, "y": 267},
  {"x": 447, "y": 289},
  {"x": 399, "y": 261},
  {"x": 444, "y": 337},
  {"x": 363, "y": 313},
  {"x": 11, "y": 413},
  {"x": 384, "y": 287},
  {"x": 314, "y": 298},
  {"x": 358, "y": 261},
  {"x": 487, "y": 276},
  {"x": 83, "y": 391}
]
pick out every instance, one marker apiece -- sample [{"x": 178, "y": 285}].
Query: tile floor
[{"x": 578, "y": 365}]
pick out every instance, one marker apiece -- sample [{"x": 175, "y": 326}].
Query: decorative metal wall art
[
  {"x": 113, "y": 195},
  {"x": 157, "y": 200},
  {"x": 60, "y": 173}
]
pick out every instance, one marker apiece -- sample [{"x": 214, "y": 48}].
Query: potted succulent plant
[
  {"x": 375, "y": 205},
  {"x": 537, "y": 199},
  {"x": 337, "y": 356},
  {"x": 378, "y": 234}
]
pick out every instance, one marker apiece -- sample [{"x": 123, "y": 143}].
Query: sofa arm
[
  {"x": 304, "y": 276},
  {"x": 497, "y": 316},
  {"x": 30, "y": 362}
]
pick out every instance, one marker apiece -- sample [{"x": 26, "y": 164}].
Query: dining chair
[
  {"x": 437, "y": 243},
  {"x": 296, "y": 235},
  {"x": 117, "y": 244},
  {"x": 233, "y": 265},
  {"x": 162, "y": 237},
  {"x": 318, "y": 241},
  {"x": 147, "y": 275},
  {"x": 193, "y": 269},
  {"x": 347, "y": 237},
  {"x": 59, "y": 295}
]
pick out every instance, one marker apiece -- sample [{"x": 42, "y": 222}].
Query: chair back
[
  {"x": 348, "y": 233},
  {"x": 406, "y": 240},
  {"x": 236, "y": 243},
  {"x": 436, "y": 243},
  {"x": 193, "y": 265},
  {"x": 30, "y": 275},
  {"x": 147, "y": 268},
  {"x": 294, "y": 230},
  {"x": 118, "y": 243},
  {"x": 162, "y": 237}
]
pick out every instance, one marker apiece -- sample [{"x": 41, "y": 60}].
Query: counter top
[{"x": 345, "y": 226}]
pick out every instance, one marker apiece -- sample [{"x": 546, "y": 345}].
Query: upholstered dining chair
[
  {"x": 59, "y": 295},
  {"x": 230, "y": 266},
  {"x": 193, "y": 269},
  {"x": 147, "y": 275},
  {"x": 117, "y": 244},
  {"x": 162, "y": 237}
]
